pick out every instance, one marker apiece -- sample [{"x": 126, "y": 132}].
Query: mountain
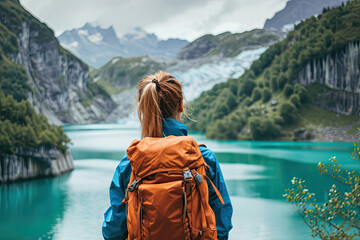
[
  {"x": 297, "y": 10},
  {"x": 93, "y": 44},
  {"x": 96, "y": 45},
  {"x": 227, "y": 44},
  {"x": 122, "y": 73},
  {"x": 230, "y": 59},
  {"x": 56, "y": 83},
  {"x": 30, "y": 147},
  {"x": 304, "y": 87}
]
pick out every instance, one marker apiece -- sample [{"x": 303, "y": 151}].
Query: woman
[{"x": 160, "y": 99}]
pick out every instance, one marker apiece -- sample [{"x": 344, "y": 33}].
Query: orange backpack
[{"x": 167, "y": 196}]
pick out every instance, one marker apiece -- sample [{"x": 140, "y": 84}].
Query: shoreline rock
[{"x": 31, "y": 163}]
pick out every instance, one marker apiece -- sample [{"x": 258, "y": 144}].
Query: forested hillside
[
  {"x": 34, "y": 66},
  {"x": 30, "y": 146},
  {"x": 19, "y": 123},
  {"x": 122, "y": 73},
  {"x": 267, "y": 101},
  {"x": 20, "y": 126}
]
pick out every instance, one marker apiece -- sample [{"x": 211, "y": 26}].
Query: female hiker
[{"x": 167, "y": 186}]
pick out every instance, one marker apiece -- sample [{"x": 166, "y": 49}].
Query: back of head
[{"x": 159, "y": 96}]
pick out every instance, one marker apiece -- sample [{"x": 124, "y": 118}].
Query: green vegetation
[
  {"x": 264, "y": 129},
  {"x": 338, "y": 217},
  {"x": 20, "y": 126},
  {"x": 122, "y": 73},
  {"x": 230, "y": 45},
  {"x": 13, "y": 78},
  {"x": 274, "y": 72}
]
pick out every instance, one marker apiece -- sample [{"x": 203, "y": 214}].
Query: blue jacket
[{"x": 114, "y": 226}]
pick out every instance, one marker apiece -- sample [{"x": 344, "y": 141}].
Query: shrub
[
  {"x": 247, "y": 86},
  {"x": 273, "y": 83},
  {"x": 263, "y": 128},
  {"x": 256, "y": 95},
  {"x": 288, "y": 112},
  {"x": 288, "y": 90},
  {"x": 302, "y": 92},
  {"x": 266, "y": 95},
  {"x": 281, "y": 81},
  {"x": 295, "y": 99}
]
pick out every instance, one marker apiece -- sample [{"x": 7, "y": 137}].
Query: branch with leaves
[{"x": 338, "y": 217}]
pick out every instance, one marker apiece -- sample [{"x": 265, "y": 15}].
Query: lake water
[{"x": 256, "y": 173}]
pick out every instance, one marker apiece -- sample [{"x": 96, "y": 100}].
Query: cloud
[{"x": 176, "y": 18}]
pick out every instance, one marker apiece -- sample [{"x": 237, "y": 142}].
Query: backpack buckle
[
  {"x": 187, "y": 175},
  {"x": 133, "y": 185},
  {"x": 198, "y": 178}
]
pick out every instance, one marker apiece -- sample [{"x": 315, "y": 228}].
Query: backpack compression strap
[{"x": 199, "y": 181}]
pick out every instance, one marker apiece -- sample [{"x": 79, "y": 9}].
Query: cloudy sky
[{"x": 186, "y": 19}]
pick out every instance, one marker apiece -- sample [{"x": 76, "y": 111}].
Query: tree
[
  {"x": 339, "y": 216},
  {"x": 288, "y": 112},
  {"x": 295, "y": 99},
  {"x": 281, "y": 81},
  {"x": 256, "y": 95},
  {"x": 247, "y": 87},
  {"x": 263, "y": 128},
  {"x": 266, "y": 95},
  {"x": 288, "y": 90},
  {"x": 302, "y": 92}
]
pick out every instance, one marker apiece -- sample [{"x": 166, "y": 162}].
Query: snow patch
[
  {"x": 288, "y": 27},
  {"x": 96, "y": 38},
  {"x": 114, "y": 60},
  {"x": 82, "y": 32},
  {"x": 73, "y": 44}
]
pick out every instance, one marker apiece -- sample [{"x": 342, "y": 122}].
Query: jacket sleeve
[
  {"x": 114, "y": 225},
  {"x": 223, "y": 213}
]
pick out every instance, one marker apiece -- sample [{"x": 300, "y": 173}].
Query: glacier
[{"x": 196, "y": 76}]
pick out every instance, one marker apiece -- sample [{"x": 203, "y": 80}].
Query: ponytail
[{"x": 159, "y": 96}]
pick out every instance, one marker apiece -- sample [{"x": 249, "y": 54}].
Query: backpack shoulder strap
[{"x": 216, "y": 190}]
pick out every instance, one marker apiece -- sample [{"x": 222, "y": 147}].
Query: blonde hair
[{"x": 159, "y": 96}]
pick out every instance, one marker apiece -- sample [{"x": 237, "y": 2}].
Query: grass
[
  {"x": 107, "y": 85},
  {"x": 311, "y": 114}
]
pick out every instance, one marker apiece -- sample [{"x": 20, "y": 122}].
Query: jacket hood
[{"x": 173, "y": 127}]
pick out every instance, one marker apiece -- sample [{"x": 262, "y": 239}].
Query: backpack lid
[{"x": 153, "y": 155}]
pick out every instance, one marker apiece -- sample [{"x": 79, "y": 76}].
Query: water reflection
[
  {"x": 265, "y": 177},
  {"x": 29, "y": 210},
  {"x": 256, "y": 174}
]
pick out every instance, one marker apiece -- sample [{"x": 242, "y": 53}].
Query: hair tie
[{"x": 157, "y": 84}]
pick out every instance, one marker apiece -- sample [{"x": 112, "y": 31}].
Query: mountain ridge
[
  {"x": 228, "y": 44},
  {"x": 297, "y": 10},
  {"x": 91, "y": 43}
]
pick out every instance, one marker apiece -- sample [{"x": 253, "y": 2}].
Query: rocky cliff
[
  {"x": 96, "y": 45},
  {"x": 340, "y": 73},
  {"x": 296, "y": 10},
  {"x": 30, "y": 163},
  {"x": 33, "y": 65},
  {"x": 63, "y": 90}
]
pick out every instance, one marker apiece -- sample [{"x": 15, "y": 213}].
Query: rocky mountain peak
[
  {"x": 296, "y": 10},
  {"x": 96, "y": 45}
]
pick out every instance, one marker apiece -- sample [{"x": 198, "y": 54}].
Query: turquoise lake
[{"x": 256, "y": 173}]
